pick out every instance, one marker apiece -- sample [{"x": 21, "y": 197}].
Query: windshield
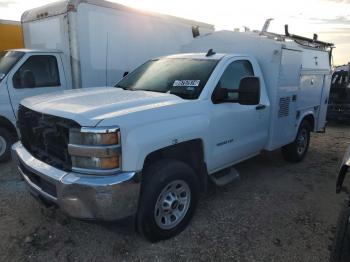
[
  {"x": 182, "y": 77},
  {"x": 7, "y": 61}
]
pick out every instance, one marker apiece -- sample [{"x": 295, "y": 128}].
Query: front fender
[
  {"x": 7, "y": 116},
  {"x": 139, "y": 142}
]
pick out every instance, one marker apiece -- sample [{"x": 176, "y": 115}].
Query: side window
[
  {"x": 233, "y": 75},
  {"x": 37, "y": 71}
]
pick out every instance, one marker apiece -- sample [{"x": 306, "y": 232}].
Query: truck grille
[{"x": 46, "y": 137}]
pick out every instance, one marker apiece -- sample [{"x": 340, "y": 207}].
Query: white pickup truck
[{"x": 147, "y": 146}]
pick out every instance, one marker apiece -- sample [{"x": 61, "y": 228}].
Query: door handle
[{"x": 260, "y": 107}]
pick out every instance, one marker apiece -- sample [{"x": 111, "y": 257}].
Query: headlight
[
  {"x": 95, "y": 151},
  {"x": 93, "y": 139}
]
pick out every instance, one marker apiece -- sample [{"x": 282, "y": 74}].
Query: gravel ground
[{"x": 276, "y": 212}]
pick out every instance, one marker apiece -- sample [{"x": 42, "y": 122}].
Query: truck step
[{"x": 224, "y": 176}]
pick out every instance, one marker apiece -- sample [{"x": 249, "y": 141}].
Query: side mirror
[
  {"x": 220, "y": 95},
  {"x": 249, "y": 91}
]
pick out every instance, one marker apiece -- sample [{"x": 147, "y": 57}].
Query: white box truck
[
  {"x": 74, "y": 44},
  {"x": 148, "y": 146}
]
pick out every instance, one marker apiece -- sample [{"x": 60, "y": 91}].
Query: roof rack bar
[
  {"x": 309, "y": 40},
  {"x": 266, "y": 26}
]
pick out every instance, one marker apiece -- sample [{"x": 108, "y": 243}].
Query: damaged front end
[
  {"x": 46, "y": 137},
  {"x": 44, "y": 160}
]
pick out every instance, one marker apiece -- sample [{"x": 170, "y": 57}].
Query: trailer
[{"x": 100, "y": 40}]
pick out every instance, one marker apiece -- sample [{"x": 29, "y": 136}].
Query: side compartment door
[
  {"x": 311, "y": 94},
  {"x": 37, "y": 74},
  {"x": 237, "y": 131},
  {"x": 288, "y": 97}
]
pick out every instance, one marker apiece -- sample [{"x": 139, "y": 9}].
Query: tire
[
  {"x": 341, "y": 246},
  {"x": 296, "y": 151},
  {"x": 6, "y": 141},
  {"x": 159, "y": 200}
]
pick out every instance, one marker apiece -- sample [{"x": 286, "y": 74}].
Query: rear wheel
[
  {"x": 296, "y": 151},
  {"x": 168, "y": 199},
  {"x": 6, "y": 140}
]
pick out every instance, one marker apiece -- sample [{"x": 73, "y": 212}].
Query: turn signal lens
[{"x": 96, "y": 163}]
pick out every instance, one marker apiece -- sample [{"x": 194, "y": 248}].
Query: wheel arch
[
  {"x": 190, "y": 152},
  {"x": 7, "y": 124},
  {"x": 310, "y": 118}
]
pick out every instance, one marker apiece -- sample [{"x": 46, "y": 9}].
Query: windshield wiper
[
  {"x": 124, "y": 87},
  {"x": 149, "y": 90}
]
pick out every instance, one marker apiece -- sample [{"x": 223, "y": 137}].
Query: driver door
[
  {"x": 237, "y": 131},
  {"x": 37, "y": 74}
]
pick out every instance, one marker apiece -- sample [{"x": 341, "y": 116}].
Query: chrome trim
[
  {"x": 100, "y": 130},
  {"x": 82, "y": 196},
  {"x": 100, "y": 181},
  {"x": 94, "y": 151},
  {"x": 97, "y": 172},
  {"x": 35, "y": 187}
]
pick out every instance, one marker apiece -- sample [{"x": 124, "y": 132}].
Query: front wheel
[
  {"x": 296, "y": 151},
  {"x": 168, "y": 199}
]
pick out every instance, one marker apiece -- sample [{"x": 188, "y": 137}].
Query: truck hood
[{"x": 89, "y": 106}]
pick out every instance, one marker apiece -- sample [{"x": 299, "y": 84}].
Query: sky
[{"x": 330, "y": 19}]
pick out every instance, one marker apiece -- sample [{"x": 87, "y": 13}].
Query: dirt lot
[{"x": 276, "y": 212}]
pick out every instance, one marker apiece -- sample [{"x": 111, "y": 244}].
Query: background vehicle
[
  {"x": 341, "y": 246},
  {"x": 339, "y": 98},
  {"x": 11, "y": 35},
  {"x": 74, "y": 44},
  {"x": 149, "y": 145}
]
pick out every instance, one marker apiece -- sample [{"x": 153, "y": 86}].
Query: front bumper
[{"x": 81, "y": 196}]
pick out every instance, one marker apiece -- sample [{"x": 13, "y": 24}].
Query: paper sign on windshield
[{"x": 186, "y": 82}]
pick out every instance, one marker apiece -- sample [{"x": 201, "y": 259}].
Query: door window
[
  {"x": 233, "y": 76},
  {"x": 37, "y": 71}
]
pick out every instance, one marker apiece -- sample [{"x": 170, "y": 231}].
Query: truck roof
[
  {"x": 36, "y": 50},
  {"x": 62, "y": 7}
]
